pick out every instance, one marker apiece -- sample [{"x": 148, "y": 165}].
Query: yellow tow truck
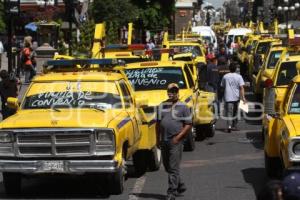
[
  {"x": 267, "y": 69},
  {"x": 150, "y": 80},
  {"x": 261, "y": 48},
  {"x": 81, "y": 117},
  {"x": 277, "y": 98}
]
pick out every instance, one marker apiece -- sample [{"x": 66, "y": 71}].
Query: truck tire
[
  {"x": 12, "y": 183},
  {"x": 154, "y": 159},
  {"x": 140, "y": 162},
  {"x": 116, "y": 180},
  {"x": 189, "y": 142},
  {"x": 273, "y": 166},
  {"x": 200, "y": 133},
  {"x": 210, "y": 130}
]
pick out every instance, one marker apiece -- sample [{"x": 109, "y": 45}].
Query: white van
[
  {"x": 207, "y": 34},
  {"x": 232, "y": 36}
]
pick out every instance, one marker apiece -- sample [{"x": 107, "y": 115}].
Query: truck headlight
[
  {"x": 6, "y": 137},
  {"x": 105, "y": 137},
  {"x": 105, "y": 142},
  {"x": 296, "y": 148}
]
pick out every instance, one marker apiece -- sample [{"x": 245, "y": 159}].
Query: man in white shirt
[{"x": 233, "y": 85}]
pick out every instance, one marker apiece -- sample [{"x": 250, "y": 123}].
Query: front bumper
[{"x": 65, "y": 166}]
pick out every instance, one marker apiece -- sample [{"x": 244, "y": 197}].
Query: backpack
[{"x": 23, "y": 57}]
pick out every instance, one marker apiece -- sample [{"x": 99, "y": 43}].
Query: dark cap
[
  {"x": 173, "y": 88},
  {"x": 291, "y": 185}
]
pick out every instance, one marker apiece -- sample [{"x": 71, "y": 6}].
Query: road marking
[
  {"x": 224, "y": 131},
  {"x": 222, "y": 160},
  {"x": 137, "y": 188}
]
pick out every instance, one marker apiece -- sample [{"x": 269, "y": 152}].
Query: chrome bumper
[{"x": 68, "y": 166}]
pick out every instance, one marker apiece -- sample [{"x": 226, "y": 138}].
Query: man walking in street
[
  {"x": 233, "y": 85},
  {"x": 174, "y": 123}
]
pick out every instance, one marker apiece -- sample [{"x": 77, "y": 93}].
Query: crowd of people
[{"x": 25, "y": 65}]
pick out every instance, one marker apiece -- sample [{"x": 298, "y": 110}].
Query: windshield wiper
[
  {"x": 98, "y": 109},
  {"x": 55, "y": 109}
]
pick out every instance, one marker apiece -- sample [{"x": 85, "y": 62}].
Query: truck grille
[{"x": 45, "y": 143}]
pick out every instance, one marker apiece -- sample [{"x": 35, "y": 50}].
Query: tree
[
  {"x": 2, "y": 18},
  {"x": 116, "y": 13}
]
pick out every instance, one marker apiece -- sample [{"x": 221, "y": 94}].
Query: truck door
[{"x": 130, "y": 108}]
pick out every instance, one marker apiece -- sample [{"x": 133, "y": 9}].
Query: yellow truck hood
[
  {"x": 64, "y": 118},
  {"x": 155, "y": 97}
]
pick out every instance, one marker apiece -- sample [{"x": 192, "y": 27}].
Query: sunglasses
[{"x": 173, "y": 90}]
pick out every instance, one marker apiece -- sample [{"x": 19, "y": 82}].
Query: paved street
[{"x": 228, "y": 166}]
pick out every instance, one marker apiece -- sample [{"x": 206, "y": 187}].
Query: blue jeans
[{"x": 231, "y": 111}]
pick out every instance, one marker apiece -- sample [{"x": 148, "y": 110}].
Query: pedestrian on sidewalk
[
  {"x": 8, "y": 88},
  {"x": 233, "y": 86},
  {"x": 174, "y": 123},
  {"x": 26, "y": 59}
]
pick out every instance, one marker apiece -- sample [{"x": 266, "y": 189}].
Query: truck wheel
[
  {"x": 12, "y": 183},
  {"x": 154, "y": 159},
  {"x": 140, "y": 162},
  {"x": 189, "y": 142},
  {"x": 273, "y": 166},
  {"x": 117, "y": 179},
  {"x": 210, "y": 130},
  {"x": 200, "y": 133}
]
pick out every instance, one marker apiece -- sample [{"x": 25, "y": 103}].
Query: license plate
[{"x": 53, "y": 166}]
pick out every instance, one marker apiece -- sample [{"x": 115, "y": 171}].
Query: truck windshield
[
  {"x": 63, "y": 94},
  {"x": 273, "y": 59},
  {"x": 187, "y": 49},
  {"x": 286, "y": 73},
  {"x": 155, "y": 78},
  {"x": 263, "y": 47},
  {"x": 295, "y": 103}
]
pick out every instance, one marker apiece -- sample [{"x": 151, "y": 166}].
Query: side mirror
[
  {"x": 268, "y": 83},
  {"x": 141, "y": 102},
  {"x": 298, "y": 66},
  {"x": 13, "y": 103}
]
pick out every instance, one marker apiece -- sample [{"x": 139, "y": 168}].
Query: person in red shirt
[{"x": 27, "y": 61}]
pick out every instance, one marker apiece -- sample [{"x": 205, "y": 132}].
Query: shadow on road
[
  {"x": 256, "y": 177},
  {"x": 150, "y": 196},
  {"x": 91, "y": 186},
  {"x": 255, "y": 139}
]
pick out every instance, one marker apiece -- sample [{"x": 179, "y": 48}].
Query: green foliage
[
  {"x": 153, "y": 18},
  {"x": 116, "y": 13},
  {"x": 154, "y": 15},
  {"x": 84, "y": 46},
  {"x": 2, "y": 18}
]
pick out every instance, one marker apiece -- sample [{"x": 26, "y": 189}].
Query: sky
[{"x": 216, "y": 3}]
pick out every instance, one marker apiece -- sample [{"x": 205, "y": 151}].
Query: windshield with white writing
[
  {"x": 94, "y": 95},
  {"x": 187, "y": 49},
  {"x": 157, "y": 78}
]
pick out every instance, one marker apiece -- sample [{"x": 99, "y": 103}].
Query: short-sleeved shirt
[
  {"x": 232, "y": 82},
  {"x": 172, "y": 118}
]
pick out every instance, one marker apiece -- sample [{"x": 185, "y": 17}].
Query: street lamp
[{"x": 286, "y": 8}]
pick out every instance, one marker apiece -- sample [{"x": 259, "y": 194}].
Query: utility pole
[{"x": 12, "y": 9}]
